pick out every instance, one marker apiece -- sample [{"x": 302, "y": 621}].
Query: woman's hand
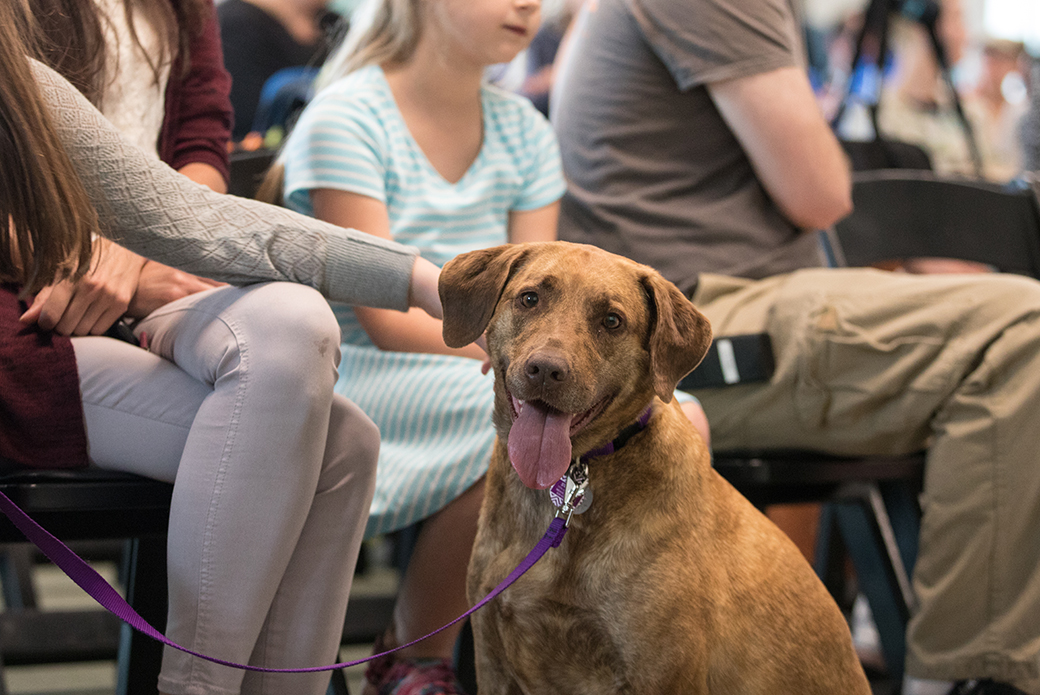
[
  {"x": 90, "y": 305},
  {"x": 160, "y": 284}
]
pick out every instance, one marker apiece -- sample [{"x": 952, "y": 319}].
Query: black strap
[{"x": 731, "y": 360}]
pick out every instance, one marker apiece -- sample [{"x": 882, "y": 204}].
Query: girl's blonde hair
[{"x": 381, "y": 32}]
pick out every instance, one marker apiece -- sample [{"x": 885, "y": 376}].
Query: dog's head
[{"x": 580, "y": 341}]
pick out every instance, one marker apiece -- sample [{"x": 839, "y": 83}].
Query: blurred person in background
[{"x": 262, "y": 37}]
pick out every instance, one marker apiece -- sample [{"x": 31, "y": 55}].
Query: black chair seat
[
  {"x": 791, "y": 476},
  {"x": 87, "y": 504}
]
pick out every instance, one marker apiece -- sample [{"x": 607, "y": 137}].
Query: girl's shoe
[{"x": 394, "y": 675}]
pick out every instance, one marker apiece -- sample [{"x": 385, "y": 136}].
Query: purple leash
[{"x": 101, "y": 591}]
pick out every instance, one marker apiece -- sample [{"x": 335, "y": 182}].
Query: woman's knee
[
  {"x": 352, "y": 449},
  {"x": 290, "y": 312},
  {"x": 288, "y": 328}
]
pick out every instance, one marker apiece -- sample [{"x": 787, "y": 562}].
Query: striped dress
[{"x": 433, "y": 411}]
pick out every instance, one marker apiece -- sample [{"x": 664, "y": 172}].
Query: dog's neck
[
  {"x": 570, "y": 494},
  {"x": 623, "y": 436}
]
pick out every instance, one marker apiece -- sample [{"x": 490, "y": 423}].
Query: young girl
[
  {"x": 272, "y": 472},
  {"x": 405, "y": 141}
]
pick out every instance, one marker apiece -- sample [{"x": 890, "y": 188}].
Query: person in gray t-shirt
[
  {"x": 659, "y": 173},
  {"x": 691, "y": 142}
]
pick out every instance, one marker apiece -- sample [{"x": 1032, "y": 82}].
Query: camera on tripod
[{"x": 873, "y": 38}]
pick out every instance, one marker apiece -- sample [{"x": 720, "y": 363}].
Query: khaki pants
[{"x": 876, "y": 362}]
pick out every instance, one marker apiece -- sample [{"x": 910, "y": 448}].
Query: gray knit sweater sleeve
[{"x": 154, "y": 211}]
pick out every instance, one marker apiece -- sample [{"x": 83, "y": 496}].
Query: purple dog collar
[{"x": 623, "y": 436}]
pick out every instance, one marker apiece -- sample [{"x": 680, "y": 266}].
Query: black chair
[
  {"x": 882, "y": 153},
  {"x": 87, "y": 505},
  {"x": 247, "y": 171},
  {"x": 903, "y": 214},
  {"x": 870, "y": 515},
  {"x": 96, "y": 507}
]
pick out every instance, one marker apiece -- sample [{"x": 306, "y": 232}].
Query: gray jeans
[{"x": 273, "y": 476}]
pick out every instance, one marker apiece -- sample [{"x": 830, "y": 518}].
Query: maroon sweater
[
  {"x": 197, "y": 125},
  {"x": 41, "y": 413},
  {"x": 41, "y": 410}
]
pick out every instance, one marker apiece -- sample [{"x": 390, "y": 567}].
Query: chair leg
[
  {"x": 867, "y": 530},
  {"x": 140, "y": 657},
  {"x": 465, "y": 659},
  {"x": 16, "y": 566},
  {"x": 904, "y": 513},
  {"x": 337, "y": 683},
  {"x": 830, "y": 559},
  {"x": 3, "y": 677}
]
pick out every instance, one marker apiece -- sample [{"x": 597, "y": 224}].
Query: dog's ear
[
  {"x": 679, "y": 334},
  {"x": 470, "y": 286}
]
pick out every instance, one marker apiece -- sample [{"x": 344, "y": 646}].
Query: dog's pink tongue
[{"x": 540, "y": 446}]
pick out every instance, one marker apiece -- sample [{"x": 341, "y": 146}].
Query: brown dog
[{"x": 670, "y": 581}]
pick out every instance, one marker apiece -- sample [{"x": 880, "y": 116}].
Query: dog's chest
[
  {"x": 553, "y": 644},
  {"x": 552, "y": 629}
]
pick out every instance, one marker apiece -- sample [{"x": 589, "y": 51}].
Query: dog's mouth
[{"x": 540, "y": 439}]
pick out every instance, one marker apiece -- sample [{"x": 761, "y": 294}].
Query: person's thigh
[
  {"x": 863, "y": 358},
  {"x": 137, "y": 407}
]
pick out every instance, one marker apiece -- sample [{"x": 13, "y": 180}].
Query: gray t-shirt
[{"x": 654, "y": 173}]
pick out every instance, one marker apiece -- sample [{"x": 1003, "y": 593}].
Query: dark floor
[{"x": 98, "y": 678}]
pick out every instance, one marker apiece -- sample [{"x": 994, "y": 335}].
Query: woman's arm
[
  {"x": 154, "y": 211},
  {"x": 413, "y": 331},
  {"x": 197, "y": 124},
  {"x": 206, "y": 174}
]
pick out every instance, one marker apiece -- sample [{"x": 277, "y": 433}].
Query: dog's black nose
[{"x": 546, "y": 370}]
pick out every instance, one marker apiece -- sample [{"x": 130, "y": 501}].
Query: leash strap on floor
[{"x": 101, "y": 591}]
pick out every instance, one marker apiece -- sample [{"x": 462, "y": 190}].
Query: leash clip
[{"x": 571, "y": 494}]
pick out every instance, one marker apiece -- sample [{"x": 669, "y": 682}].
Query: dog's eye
[
  {"x": 529, "y": 300},
  {"x": 612, "y": 321}
]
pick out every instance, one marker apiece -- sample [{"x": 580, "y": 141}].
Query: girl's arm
[
  {"x": 414, "y": 331},
  {"x": 534, "y": 225}
]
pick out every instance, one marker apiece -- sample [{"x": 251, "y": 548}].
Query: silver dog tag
[
  {"x": 571, "y": 494},
  {"x": 583, "y": 502}
]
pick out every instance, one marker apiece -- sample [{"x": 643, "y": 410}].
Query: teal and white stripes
[
  {"x": 434, "y": 417},
  {"x": 352, "y": 138}
]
